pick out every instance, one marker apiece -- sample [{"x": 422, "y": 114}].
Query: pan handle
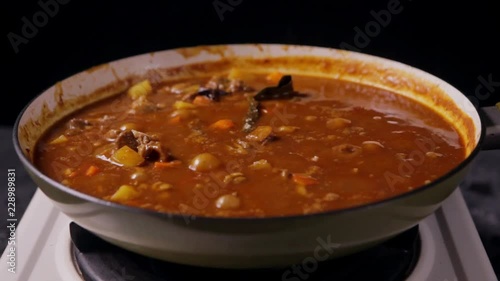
[{"x": 491, "y": 119}]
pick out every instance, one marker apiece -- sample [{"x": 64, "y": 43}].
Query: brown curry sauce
[{"x": 339, "y": 144}]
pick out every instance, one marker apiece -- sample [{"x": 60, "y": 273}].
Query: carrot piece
[
  {"x": 171, "y": 164},
  {"x": 274, "y": 77},
  {"x": 175, "y": 120},
  {"x": 201, "y": 100},
  {"x": 92, "y": 170},
  {"x": 223, "y": 124},
  {"x": 304, "y": 179}
]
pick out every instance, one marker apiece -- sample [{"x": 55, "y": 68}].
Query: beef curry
[{"x": 250, "y": 145}]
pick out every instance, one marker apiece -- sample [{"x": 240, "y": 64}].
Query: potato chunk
[
  {"x": 142, "y": 88},
  {"x": 59, "y": 139},
  {"x": 183, "y": 105},
  {"x": 127, "y": 157},
  {"x": 235, "y": 73},
  {"x": 124, "y": 193}
]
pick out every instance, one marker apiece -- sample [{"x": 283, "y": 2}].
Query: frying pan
[{"x": 252, "y": 242}]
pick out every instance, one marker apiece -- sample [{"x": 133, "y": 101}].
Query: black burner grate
[{"x": 98, "y": 260}]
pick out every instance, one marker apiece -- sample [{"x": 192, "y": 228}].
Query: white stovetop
[{"x": 451, "y": 248}]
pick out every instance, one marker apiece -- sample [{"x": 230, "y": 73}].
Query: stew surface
[{"x": 250, "y": 145}]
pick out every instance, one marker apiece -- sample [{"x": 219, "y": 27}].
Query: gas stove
[{"x": 443, "y": 247}]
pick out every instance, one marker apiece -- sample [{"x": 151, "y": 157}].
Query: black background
[{"x": 456, "y": 41}]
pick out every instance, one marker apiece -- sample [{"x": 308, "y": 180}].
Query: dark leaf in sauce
[
  {"x": 252, "y": 116},
  {"x": 284, "y": 90}
]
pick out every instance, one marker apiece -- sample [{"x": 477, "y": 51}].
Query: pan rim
[{"x": 172, "y": 215}]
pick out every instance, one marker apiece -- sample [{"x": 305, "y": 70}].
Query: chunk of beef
[
  {"x": 238, "y": 86},
  {"x": 149, "y": 147},
  {"x": 77, "y": 126},
  {"x": 142, "y": 105},
  {"x": 217, "y": 87},
  {"x": 218, "y": 83},
  {"x": 227, "y": 85},
  {"x": 127, "y": 138}
]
